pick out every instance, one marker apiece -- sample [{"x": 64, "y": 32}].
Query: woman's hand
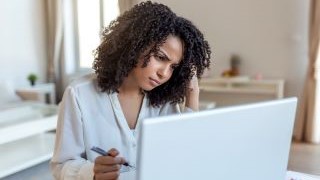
[
  {"x": 192, "y": 96},
  {"x": 108, "y": 167}
]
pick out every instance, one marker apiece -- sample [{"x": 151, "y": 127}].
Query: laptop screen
[{"x": 246, "y": 142}]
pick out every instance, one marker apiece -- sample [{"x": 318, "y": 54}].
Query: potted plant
[{"x": 32, "y": 78}]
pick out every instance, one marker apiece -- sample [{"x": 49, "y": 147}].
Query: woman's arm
[
  {"x": 192, "y": 96},
  {"x": 68, "y": 161}
]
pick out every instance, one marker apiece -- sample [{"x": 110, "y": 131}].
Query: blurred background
[{"x": 262, "y": 50}]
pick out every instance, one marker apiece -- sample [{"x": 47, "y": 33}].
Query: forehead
[{"x": 172, "y": 48}]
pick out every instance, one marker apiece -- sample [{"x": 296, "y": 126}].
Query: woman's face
[{"x": 161, "y": 65}]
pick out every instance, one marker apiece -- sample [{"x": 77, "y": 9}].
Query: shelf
[
  {"x": 26, "y": 120},
  {"x": 40, "y": 92},
  {"x": 243, "y": 85},
  {"x": 27, "y": 128},
  {"x": 19, "y": 155},
  {"x": 240, "y": 79},
  {"x": 236, "y": 90}
]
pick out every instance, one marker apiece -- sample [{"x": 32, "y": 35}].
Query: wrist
[
  {"x": 195, "y": 91},
  {"x": 192, "y": 99}
]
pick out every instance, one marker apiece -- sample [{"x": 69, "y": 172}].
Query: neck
[{"x": 129, "y": 88}]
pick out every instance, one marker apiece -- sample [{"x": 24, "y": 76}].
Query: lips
[{"x": 154, "y": 81}]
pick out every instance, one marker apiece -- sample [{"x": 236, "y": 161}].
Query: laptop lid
[{"x": 246, "y": 142}]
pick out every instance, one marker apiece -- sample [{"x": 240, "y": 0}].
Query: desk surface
[{"x": 291, "y": 175}]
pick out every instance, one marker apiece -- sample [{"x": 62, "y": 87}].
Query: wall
[
  {"x": 22, "y": 45},
  {"x": 270, "y": 36}
]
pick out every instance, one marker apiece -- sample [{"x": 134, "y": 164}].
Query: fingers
[
  {"x": 193, "y": 84},
  {"x": 192, "y": 92},
  {"x": 113, "y": 152},
  {"x": 108, "y": 167},
  {"x": 194, "y": 71},
  {"x": 107, "y": 176},
  {"x": 109, "y": 160}
]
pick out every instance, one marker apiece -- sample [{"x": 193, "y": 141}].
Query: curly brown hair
[{"x": 140, "y": 31}]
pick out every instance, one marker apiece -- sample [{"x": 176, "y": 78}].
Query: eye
[
  {"x": 174, "y": 66},
  {"x": 160, "y": 57}
]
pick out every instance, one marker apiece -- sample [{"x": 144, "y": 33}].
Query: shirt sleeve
[
  {"x": 168, "y": 109},
  {"x": 187, "y": 110},
  {"x": 68, "y": 161}
]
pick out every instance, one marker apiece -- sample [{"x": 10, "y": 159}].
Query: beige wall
[
  {"x": 270, "y": 35},
  {"x": 22, "y": 40}
]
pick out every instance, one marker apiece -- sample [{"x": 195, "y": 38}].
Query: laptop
[{"x": 246, "y": 142}]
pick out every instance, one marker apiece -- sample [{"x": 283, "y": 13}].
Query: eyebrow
[{"x": 164, "y": 54}]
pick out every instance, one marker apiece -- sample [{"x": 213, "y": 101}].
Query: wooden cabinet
[{"x": 239, "y": 90}]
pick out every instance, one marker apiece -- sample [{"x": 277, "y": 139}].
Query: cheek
[
  {"x": 170, "y": 75},
  {"x": 151, "y": 66},
  {"x": 142, "y": 73}
]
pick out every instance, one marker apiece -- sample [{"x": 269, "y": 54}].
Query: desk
[
  {"x": 25, "y": 138},
  {"x": 45, "y": 93},
  {"x": 292, "y": 175}
]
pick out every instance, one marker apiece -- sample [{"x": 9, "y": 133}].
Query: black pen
[{"x": 104, "y": 153}]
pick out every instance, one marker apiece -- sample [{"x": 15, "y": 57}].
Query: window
[{"x": 92, "y": 16}]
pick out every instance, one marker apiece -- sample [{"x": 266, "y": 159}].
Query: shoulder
[
  {"x": 84, "y": 85},
  {"x": 169, "y": 108},
  {"x": 86, "y": 81}
]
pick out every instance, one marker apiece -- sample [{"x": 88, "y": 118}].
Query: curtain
[
  {"x": 54, "y": 32},
  {"x": 307, "y": 127}
]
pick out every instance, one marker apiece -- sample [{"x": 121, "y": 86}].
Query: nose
[{"x": 164, "y": 72}]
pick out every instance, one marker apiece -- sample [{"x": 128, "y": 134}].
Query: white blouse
[{"x": 88, "y": 117}]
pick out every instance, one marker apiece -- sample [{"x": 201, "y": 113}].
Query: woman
[{"x": 149, "y": 60}]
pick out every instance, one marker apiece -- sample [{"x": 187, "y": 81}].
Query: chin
[
  {"x": 147, "y": 86},
  {"x": 148, "y": 89}
]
